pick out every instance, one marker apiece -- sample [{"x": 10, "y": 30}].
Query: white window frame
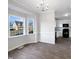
[
  {"x": 28, "y": 25},
  {"x": 23, "y": 26}
]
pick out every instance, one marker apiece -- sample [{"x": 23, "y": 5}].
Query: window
[
  {"x": 16, "y": 26},
  {"x": 30, "y": 26}
]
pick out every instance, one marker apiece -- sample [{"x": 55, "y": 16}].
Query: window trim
[{"x": 9, "y": 26}]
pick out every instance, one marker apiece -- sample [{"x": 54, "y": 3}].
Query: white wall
[
  {"x": 38, "y": 28},
  {"x": 59, "y": 23},
  {"x": 21, "y": 40},
  {"x": 47, "y": 27}
]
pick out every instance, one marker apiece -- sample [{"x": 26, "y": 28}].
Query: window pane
[{"x": 15, "y": 25}]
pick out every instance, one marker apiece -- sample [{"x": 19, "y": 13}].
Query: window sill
[{"x": 16, "y": 36}]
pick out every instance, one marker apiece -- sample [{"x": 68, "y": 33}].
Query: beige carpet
[{"x": 61, "y": 50}]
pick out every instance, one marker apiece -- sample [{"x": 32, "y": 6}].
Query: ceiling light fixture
[
  {"x": 67, "y": 14},
  {"x": 43, "y": 6}
]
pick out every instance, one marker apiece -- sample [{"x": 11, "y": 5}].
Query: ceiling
[{"x": 60, "y": 7}]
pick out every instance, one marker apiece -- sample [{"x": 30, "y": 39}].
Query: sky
[{"x": 12, "y": 19}]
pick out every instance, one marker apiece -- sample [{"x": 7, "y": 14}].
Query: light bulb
[{"x": 66, "y": 14}]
